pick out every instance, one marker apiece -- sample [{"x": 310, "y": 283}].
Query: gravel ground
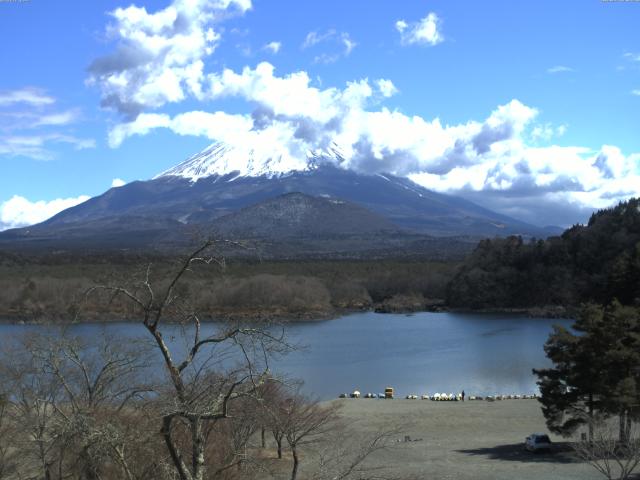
[{"x": 465, "y": 440}]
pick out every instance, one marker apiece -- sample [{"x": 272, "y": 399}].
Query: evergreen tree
[
  {"x": 596, "y": 370},
  {"x": 571, "y": 390},
  {"x": 622, "y": 365}
]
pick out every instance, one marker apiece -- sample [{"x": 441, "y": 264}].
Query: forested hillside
[{"x": 596, "y": 262}]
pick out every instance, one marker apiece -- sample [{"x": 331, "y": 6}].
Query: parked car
[{"x": 538, "y": 442}]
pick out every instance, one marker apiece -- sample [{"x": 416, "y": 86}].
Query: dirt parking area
[{"x": 464, "y": 440}]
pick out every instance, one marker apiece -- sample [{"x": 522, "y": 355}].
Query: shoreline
[{"x": 277, "y": 316}]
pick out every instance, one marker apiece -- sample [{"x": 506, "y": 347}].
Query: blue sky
[{"x": 566, "y": 74}]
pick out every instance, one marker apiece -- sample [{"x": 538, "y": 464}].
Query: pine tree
[
  {"x": 572, "y": 390},
  {"x": 623, "y": 365},
  {"x": 596, "y": 370}
]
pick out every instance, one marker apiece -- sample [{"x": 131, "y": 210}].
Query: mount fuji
[{"x": 279, "y": 199}]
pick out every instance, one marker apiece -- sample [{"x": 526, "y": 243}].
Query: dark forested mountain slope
[
  {"x": 300, "y": 215},
  {"x": 596, "y": 262}
]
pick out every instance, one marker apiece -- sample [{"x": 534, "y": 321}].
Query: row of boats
[{"x": 440, "y": 397}]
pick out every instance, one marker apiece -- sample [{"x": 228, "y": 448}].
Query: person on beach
[{"x": 462, "y": 395}]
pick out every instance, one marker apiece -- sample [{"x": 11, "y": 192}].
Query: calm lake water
[{"x": 420, "y": 353}]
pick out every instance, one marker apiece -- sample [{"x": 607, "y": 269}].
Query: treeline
[
  {"x": 107, "y": 408},
  {"x": 188, "y": 403},
  {"x": 52, "y": 290},
  {"x": 593, "y": 263}
]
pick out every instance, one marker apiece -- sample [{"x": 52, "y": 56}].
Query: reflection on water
[
  {"x": 420, "y": 353},
  {"x": 498, "y": 331}
]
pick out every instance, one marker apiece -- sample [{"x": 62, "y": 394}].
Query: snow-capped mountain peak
[{"x": 223, "y": 159}]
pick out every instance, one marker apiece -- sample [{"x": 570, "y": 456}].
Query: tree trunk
[
  {"x": 89, "y": 470},
  {"x": 296, "y": 462},
  {"x": 625, "y": 426},
  {"x": 590, "y": 417},
  {"x": 621, "y": 427},
  {"x": 176, "y": 457},
  {"x": 278, "y": 438},
  {"x": 123, "y": 461},
  {"x": 623, "y": 434},
  {"x": 197, "y": 440},
  {"x": 262, "y": 434}
]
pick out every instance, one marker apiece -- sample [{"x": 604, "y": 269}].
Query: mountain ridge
[{"x": 198, "y": 192}]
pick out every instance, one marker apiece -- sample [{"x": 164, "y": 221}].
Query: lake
[{"x": 484, "y": 354}]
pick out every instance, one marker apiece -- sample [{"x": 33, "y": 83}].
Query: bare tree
[
  {"x": 195, "y": 396},
  {"x": 613, "y": 458},
  {"x": 8, "y": 452},
  {"x": 272, "y": 412},
  {"x": 30, "y": 405},
  {"x": 231, "y": 441},
  {"x": 69, "y": 398},
  {"x": 304, "y": 422},
  {"x": 336, "y": 450},
  {"x": 344, "y": 456}
]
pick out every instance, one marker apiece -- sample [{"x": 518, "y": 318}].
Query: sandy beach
[{"x": 465, "y": 440}]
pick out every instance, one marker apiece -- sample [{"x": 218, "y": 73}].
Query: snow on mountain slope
[{"x": 224, "y": 159}]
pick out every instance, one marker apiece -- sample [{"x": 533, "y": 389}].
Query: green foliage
[
  {"x": 593, "y": 263},
  {"x": 596, "y": 369}
]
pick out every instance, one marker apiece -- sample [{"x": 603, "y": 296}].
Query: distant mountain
[
  {"x": 224, "y": 182},
  {"x": 296, "y": 225}
]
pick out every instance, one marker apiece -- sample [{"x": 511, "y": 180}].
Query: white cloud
[
  {"x": 343, "y": 39},
  {"x": 631, "y": 56},
  {"x": 29, "y": 127},
  {"x": 30, "y": 96},
  {"x": 635, "y": 92},
  {"x": 159, "y": 57},
  {"x": 546, "y": 179},
  {"x": 220, "y": 126},
  {"x": 313, "y": 38},
  {"x": 401, "y": 26},
  {"x": 56, "y": 119},
  {"x": 386, "y": 87},
  {"x": 348, "y": 43},
  {"x": 19, "y": 211},
  {"x": 273, "y": 47},
  {"x": 426, "y": 31},
  {"x": 560, "y": 69},
  {"x": 291, "y": 95},
  {"x": 142, "y": 125},
  {"x": 546, "y": 132},
  {"x": 37, "y": 146},
  {"x": 14, "y": 118}
]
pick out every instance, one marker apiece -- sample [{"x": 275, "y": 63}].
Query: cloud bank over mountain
[{"x": 507, "y": 161}]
